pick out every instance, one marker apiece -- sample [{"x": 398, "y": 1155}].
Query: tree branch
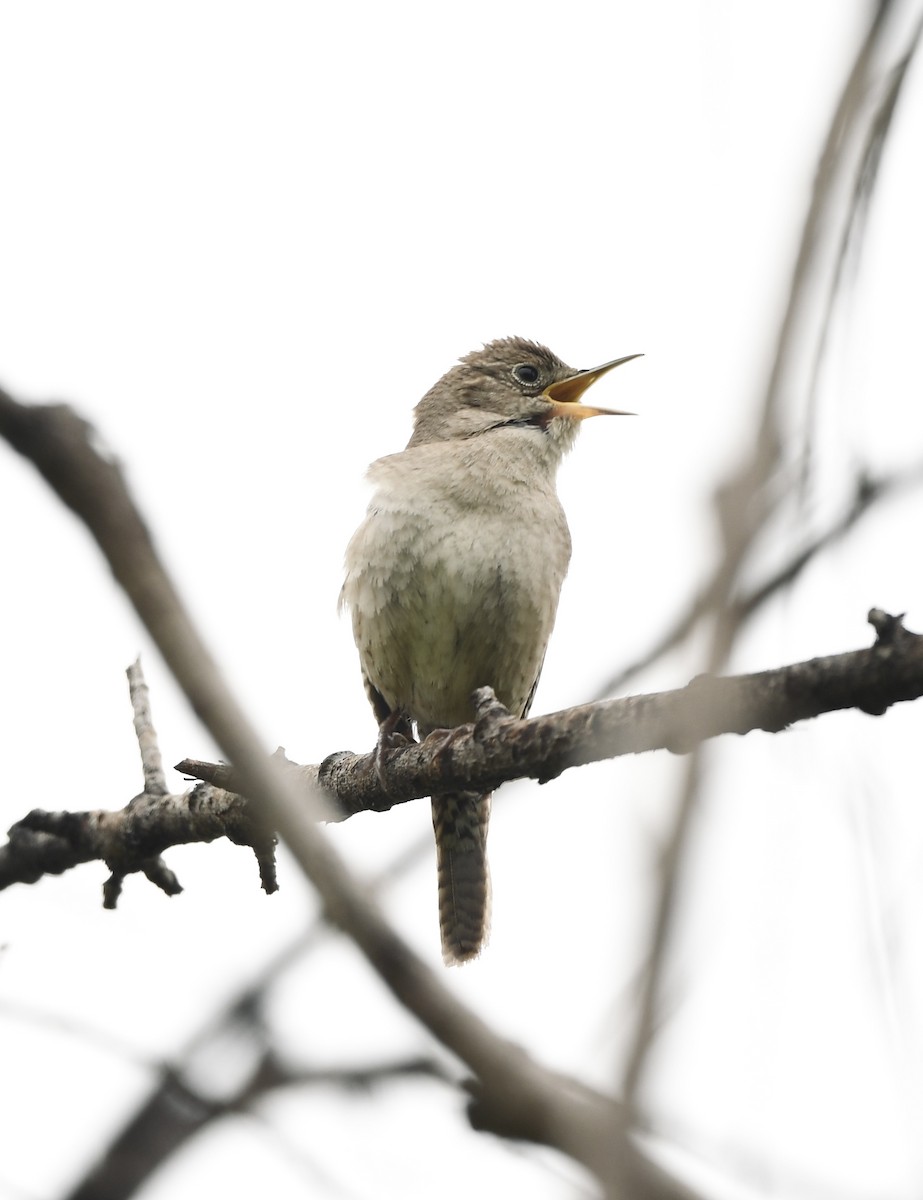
[
  {"x": 494, "y": 750},
  {"x": 178, "y": 1110},
  {"x": 869, "y": 492},
  {"x": 755, "y": 493},
  {"x": 498, "y": 748},
  {"x": 514, "y": 1090}
]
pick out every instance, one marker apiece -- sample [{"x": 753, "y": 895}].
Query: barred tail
[{"x": 460, "y": 822}]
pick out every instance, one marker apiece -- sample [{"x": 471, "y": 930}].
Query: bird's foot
[
  {"x": 441, "y": 740},
  {"x": 490, "y": 713},
  {"x": 394, "y": 733}
]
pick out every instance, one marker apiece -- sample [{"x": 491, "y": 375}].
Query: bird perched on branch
[{"x": 453, "y": 578}]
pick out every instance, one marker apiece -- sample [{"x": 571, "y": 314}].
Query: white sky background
[{"x": 244, "y": 240}]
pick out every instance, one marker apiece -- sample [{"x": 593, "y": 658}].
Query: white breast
[{"x": 453, "y": 578}]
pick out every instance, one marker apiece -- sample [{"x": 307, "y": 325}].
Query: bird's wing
[
  {"x": 379, "y": 704},
  {"x": 531, "y": 695},
  {"x": 387, "y": 718}
]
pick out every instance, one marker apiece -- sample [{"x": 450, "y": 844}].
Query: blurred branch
[
  {"x": 178, "y": 1110},
  {"x": 135, "y": 1150},
  {"x": 513, "y": 1091},
  {"x": 748, "y": 500},
  {"x": 513, "y": 1095},
  {"x": 872, "y": 140},
  {"x": 868, "y": 492},
  {"x": 843, "y": 188}
]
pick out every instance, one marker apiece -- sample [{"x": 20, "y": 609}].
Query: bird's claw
[
  {"x": 490, "y": 713},
  {"x": 443, "y": 739},
  {"x": 394, "y": 733}
]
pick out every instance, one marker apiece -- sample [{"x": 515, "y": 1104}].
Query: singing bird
[{"x": 453, "y": 578}]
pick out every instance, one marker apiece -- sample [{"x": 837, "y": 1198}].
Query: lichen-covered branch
[
  {"x": 132, "y": 839},
  {"x": 498, "y": 748},
  {"x": 127, "y": 840},
  {"x": 493, "y": 750}
]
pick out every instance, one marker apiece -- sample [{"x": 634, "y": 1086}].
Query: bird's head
[{"x": 511, "y": 383}]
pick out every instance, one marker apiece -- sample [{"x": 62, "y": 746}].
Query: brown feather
[{"x": 460, "y": 822}]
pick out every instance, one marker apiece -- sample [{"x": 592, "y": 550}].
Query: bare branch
[
  {"x": 494, "y": 750},
  {"x": 155, "y": 782},
  {"x": 178, "y": 1110},
  {"x": 485, "y": 756},
  {"x": 868, "y": 492},
  {"x": 746, "y": 503},
  {"x": 588, "y": 1127},
  {"x": 128, "y": 840},
  {"x": 871, "y": 139}
]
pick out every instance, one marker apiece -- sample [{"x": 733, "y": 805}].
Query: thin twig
[{"x": 155, "y": 781}]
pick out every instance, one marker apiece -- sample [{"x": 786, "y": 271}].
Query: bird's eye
[{"x": 525, "y": 373}]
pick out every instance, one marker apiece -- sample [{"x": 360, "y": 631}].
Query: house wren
[{"x": 453, "y": 577}]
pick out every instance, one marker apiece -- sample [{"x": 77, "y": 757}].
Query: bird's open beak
[{"x": 565, "y": 394}]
